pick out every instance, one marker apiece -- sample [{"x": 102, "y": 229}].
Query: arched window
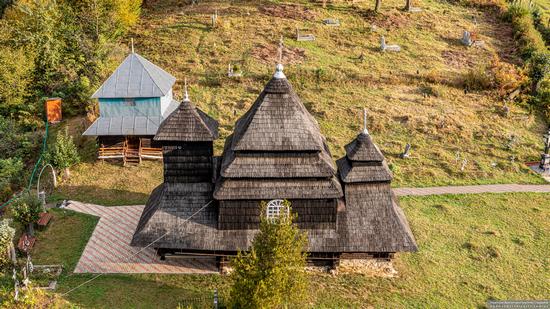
[{"x": 275, "y": 208}]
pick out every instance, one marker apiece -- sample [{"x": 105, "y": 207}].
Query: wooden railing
[
  {"x": 151, "y": 153},
  {"x": 127, "y": 154},
  {"x": 111, "y": 153}
]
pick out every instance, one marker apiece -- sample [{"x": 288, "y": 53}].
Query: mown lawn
[{"x": 472, "y": 248}]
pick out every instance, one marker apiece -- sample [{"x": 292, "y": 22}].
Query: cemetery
[{"x": 400, "y": 138}]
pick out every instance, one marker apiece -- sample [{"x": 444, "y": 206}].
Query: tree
[
  {"x": 64, "y": 153},
  {"x": 377, "y": 5},
  {"x": 272, "y": 274},
  {"x": 407, "y": 5},
  {"x": 26, "y": 210}
]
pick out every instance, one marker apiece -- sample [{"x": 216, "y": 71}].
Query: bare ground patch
[
  {"x": 268, "y": 54},
  {"x": 290, "y": 11}
]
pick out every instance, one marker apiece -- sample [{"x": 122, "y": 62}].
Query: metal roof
[
  {"x": 129, "y": 125},
  {"x": 136, "y": 77}
]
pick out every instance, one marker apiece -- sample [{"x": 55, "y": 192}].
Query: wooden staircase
[{"x": 132, "y": 153}]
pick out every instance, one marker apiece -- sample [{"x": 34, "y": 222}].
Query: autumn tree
[{"x": 272, "y": 274}]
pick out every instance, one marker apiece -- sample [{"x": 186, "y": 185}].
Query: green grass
[
  {"x": 64, "y": 239},
  {"x": 471, "y": 248}
]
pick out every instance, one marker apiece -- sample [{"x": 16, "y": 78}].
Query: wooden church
[
  {"x": 133, "y": 102},
  {"x": 210, "y": 205}
]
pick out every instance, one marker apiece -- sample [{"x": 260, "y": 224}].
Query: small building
[
  {"x": 211, "y": 205},
  {"x": 133, "y": 102}
]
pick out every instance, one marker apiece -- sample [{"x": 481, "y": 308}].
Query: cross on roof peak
[
  {"x": 279, "y": 68},
  {"x": 365, "y": 130},
  {"x": 186, "y": 97}
]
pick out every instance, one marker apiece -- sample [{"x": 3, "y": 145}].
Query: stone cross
[
  {"x": 406, "y": 153},
  {"x": 463, "y": 166},
  {"x": 466, "y": 38}
]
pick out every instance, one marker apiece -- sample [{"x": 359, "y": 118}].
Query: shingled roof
[
  {"x": 188, "y": 124},
  {"x": 363, "y": 162},
  {"x": 136, "y": 77},
  {"x": 363, "y": 149},
  {"x": 277, "y": 121},
  {"x": 277, "y": 151}
]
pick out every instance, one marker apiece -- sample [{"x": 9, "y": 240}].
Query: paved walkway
[
  {"x": 109, "y": 250},
  {"x": 505, "y": 188}
]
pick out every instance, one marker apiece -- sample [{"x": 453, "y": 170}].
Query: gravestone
[
  {"x": 331, "y": 22},
  {"x": 232, "y": 73},
  {"x": 214, "y": 18},
  {"x": 385, "y": 47},
  {"x": 466, "y": 38},
  {"x": 406, "y": 152},
  {"x": 304, "y": 37},
  {"x": 373, "y": 28},
  {"x": 463, "y": 166}
]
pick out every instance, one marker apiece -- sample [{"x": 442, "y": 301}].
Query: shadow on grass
[{"x": 99, "y": 196}]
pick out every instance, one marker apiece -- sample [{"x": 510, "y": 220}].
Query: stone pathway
[
  {"x": 109, "y": 250},
  {"x": 504, "y": 188}
]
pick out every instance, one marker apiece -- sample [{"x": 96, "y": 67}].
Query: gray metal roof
[
  {"x": 136, "y": 77},
  {"x": 129, "y": 125}
]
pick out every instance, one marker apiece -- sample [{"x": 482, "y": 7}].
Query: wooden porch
[{"x": 132, "y": 151}]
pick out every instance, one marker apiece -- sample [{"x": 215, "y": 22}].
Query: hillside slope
[{"x": 415, "y": 96}]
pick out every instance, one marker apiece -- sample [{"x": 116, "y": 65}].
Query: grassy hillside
[
  {"x": 415, "y": 96},
  {"x": 471, "y": 248}
]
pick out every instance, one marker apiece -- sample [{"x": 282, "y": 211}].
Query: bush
[
  {"x": 507, "y": 77},
  {"x": 6, "y": 242},
  {"x": 64, "y": 153},
  {"x": 26, "y": 210},
  {"x": 10, "y": 175},
  {"x": 272, "y": 274},
  {"x": 530, "y": 40},
  {"x": 478, "y": 79}
]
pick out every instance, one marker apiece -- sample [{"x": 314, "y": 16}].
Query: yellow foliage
[
  {"x": 127, "y": 12},
  {"x": 507, "y": 76}
]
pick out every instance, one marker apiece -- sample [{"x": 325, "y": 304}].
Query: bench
[
  {"x": 26, "y": 243},
  {"x": 44, "y": 219}
]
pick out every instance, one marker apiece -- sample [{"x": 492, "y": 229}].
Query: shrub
[
  {"x": 272, "y": 274},
  {"x": 26, "y": 210},
  {"x": 64, "y": 153},
  {"x": 478, "y": 79},
  {"x": 10, "y": 174},
  {"x": 6, "y": 243},
  {"x": 543, "y": 95},
  {"x": 530, "y": 40},
  {"x": 507, "y": 77}
]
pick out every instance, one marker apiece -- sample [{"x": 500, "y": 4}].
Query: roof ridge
[
  {"x": 153, "y": 78},
  {"x": 194, "y": 110}
]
